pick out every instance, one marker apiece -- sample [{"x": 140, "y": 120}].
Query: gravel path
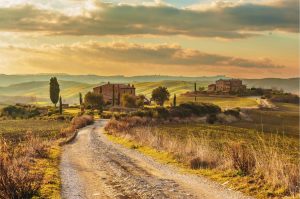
[{"x": 93, "y": 167}]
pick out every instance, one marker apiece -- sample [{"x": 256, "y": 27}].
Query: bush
[
  {"x": 128, "y": 101},
  {"x": 180, "y": 112},
  {"x": 143, "y": 113},
  {"x": 201, "y": 109},
  {"x": 198, "y": 163},
  {"x": 15, "y": 179},
  {"x": 233, "y": 112},
  {"x": 161, "y": 112},
  {"x": 242, "y": 158},
  {"x": 82, "y": 121},
  {"x": 20, "y": 111},
  {"x": 211, "y": 118}
]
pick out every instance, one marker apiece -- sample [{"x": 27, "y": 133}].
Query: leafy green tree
[
  {"x": 128, "y": 101},
  {"x": 160, "y": 95},
  {"x": 54, "y": 90},
  {"x": 140, "y": 100},
  {"x": 94, "y": 100},
  {"x": 60, "y": 105},
  {"x": 174, "y": 100},
  {"x": 201, "y": 88}
]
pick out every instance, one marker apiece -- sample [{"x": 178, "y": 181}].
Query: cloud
[
  {"x": 238, "y": 21},
  {"x": 96, "y": 53}
]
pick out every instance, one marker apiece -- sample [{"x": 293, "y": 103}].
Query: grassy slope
[
  {"x": 174, "y": 87},
  {"x": 223, "y": 102},
  {"x": 285, "y": 120}
]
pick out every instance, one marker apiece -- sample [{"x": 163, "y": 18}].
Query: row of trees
[{"x": 159, "y": 95}]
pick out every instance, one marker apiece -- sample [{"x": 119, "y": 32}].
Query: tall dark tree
[
  {"x": 113, "y": 95},
  {"x": 80, "y": 99},
  {"x": 119, "y": 99},
  {"x": 60, "y": 105},
  {"x": 160, "y": 95},
  {"x": 174, "y": 100},
  {"x": 195, "y": 91},
  {"x": 54, "y": 90}
]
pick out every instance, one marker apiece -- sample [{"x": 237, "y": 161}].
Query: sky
[{"x": 236, "y": 38}]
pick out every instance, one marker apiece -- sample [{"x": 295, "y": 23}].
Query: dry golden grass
[
  {"x": 272, "y": 171},
  {"x": 29, "y": 167}
]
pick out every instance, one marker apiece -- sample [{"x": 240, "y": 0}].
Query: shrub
[
  {"x": 162, "y": 112},
  {"x": 211, "y": 118},
  {"x": 15, "y": 179},
  {"x": 233, "y": 112},
  {"x": 20, "y": 111},
  {"x": 143, "y": 113},
  {"x": 242, "y": 158},
  {"x": 128, "y": 101},
  {"x": 180, "y": 112},
  {"x": 197, "y": 163},
  {"x": 201, "y": 109},
  {"x": 82, "y": 121}
]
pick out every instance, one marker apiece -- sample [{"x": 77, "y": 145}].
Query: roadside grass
[
  {"x": 207, "y": 145},
  {"x": 36, "y": 144},
  {"x": 223, "y": 102},
  {"x": 51, "y": 186},
  {"x": 253, "y": 185}
]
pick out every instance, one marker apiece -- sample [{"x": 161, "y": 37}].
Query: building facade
[
  {"x": 226, "y": 86},
  {"x": 114, "y": 91}
]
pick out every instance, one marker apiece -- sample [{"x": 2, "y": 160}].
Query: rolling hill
[{"x": 38, "y": 91}]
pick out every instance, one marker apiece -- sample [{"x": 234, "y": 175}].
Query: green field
[{"x": 223, "y": 102}]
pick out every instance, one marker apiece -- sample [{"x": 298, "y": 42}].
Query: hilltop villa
[
  {"x": 226, "y": 86},
  {"x": 114, "y": 91}
]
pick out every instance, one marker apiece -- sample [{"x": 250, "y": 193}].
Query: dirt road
[{"x": 93, "y": 167}]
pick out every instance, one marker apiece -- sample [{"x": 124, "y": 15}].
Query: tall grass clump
[{"x": 16, "y": 180}]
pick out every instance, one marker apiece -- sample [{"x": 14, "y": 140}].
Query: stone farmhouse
[
  {"x": 114, "y": 91},
  {"x": 226, "y": 86}
]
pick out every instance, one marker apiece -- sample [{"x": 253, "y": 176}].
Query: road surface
[{"x": 93, "y": 167}]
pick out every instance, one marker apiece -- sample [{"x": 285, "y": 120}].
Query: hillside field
[{"x": 223, "y": 102}]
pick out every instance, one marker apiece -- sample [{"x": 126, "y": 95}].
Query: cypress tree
[
  {"x": 174, "y": 100},
  {"x": 195, "y": 90},
  {"x": 113, "y": 97},
  {"x": 54, "y": 90},
  {"x": 60, "y": 105},
  {"x": 80, "y": 98}
]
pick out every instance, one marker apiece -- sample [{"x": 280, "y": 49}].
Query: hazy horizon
[{"x": 146, "y": 75}]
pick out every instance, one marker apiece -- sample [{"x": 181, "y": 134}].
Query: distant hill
[
  {"x": 288, "y": 85},
  {"x": 38, "y": 91},
  {"x": 6, "y": 80}
]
